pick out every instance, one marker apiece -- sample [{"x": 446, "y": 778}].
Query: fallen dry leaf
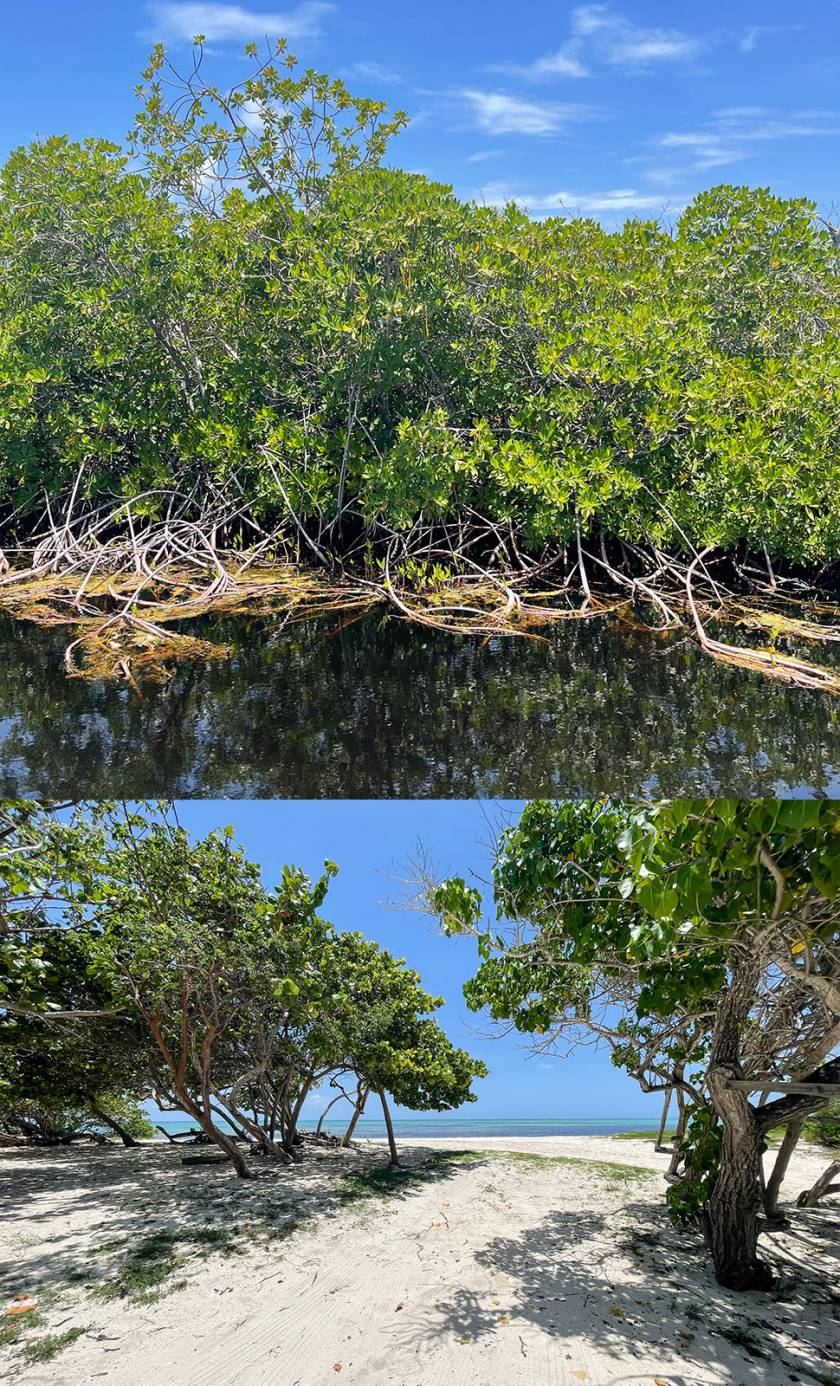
[
  {"x": 337, "y": 1367},
  {"x": 398, "y": 1308},
  {"x": 618, "y": 1313},
  {"x": 581, "y": 1376}
]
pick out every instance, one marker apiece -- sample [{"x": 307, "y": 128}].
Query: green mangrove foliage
[
  {"x": 699, "y": 940},
  {"x": 136, "y": 963},
  {"x": 247, "y": 318}
]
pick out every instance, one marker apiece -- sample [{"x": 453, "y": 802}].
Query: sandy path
[{"x": 491, "y": 1273}]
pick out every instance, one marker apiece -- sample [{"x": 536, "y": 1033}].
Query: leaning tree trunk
[
  {"x": 663, "y": 1121},
  {"x": 361, "y": 1099},
  {"x": 340, "y": 1097},
  {"x": 253, "y": 1130},
  {"x": 201, "y": 1114},
  {"x": 731, "y": 1217},
  {"x": 389, "y": 1127},
  {"x": 676, "y": 1148},
  {"x": 811, "y": 1197},
  {"x": 118, "y": 1130},
  {"x": 772, "y": 1189}
]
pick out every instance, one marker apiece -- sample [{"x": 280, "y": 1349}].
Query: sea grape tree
[
  {"x": 700, "y": 941},
  {"x": 379, "y": 1026},
  {"x": 217, "y": 996}
]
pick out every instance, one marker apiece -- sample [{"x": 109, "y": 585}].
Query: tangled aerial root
[{"x": 121, "y": 598}]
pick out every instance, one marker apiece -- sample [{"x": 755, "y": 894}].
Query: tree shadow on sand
[
  {"x": 87, "y": 1209},
  {"x": 625, "y": 1284}
]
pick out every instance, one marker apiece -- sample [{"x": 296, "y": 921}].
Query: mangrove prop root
[{"x": 120, "y": 591}]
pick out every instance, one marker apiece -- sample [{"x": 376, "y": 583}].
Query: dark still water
[{"x": 386, "y": 709}]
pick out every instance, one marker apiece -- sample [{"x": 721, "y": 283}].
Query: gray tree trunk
[
  {"x": 780, "y": 1165},
  {"x": 811, "y": 1197},
  {"x": 389, "y": 1127},
  {"x": 731, "y": 1219},
  {"x": 360, "y": 1107},
  {"x": 125, "y": 1136}
]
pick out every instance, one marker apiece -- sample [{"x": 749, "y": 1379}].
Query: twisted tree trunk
[
  {"x": 731, "y": 1217},
  {"x": 361, "y": 1099}
]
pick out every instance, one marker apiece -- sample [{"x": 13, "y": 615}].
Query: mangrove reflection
[{"x": 382, "y": 709}]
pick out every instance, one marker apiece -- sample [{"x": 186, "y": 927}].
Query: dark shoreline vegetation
[{"x": 244, "y": 365}]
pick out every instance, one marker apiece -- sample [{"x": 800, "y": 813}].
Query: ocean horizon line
[
  {"x": 464, "y": 1125},
  {"x": 418, "y": 1120}
]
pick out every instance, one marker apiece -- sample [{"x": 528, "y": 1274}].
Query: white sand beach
[{"x": 489, "y": 1269}]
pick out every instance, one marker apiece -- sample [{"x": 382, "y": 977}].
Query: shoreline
[{"x": 121, "y": 616}]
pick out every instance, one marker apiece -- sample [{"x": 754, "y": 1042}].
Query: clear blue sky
[
  {"x": 373, "y": 841},
  {"x": 610, "y": 109}
]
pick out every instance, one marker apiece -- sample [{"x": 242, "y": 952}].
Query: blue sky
[
  {"x": 373, "y": 841},
  {"x": 608, "y": 109}
]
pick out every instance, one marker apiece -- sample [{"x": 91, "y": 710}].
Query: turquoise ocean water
[{"x": 416, "y": 1128}]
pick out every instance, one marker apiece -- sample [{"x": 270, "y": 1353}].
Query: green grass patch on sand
[
  {"x": 153, "y": 1260},
  {"x": 389, "y": 1181},
  {"x": 46, "y": 1348},
  {"x": 642, "y": 1136},
  {"x": 13, "y": 1327},
  {"x": 612, "y": 1171}
]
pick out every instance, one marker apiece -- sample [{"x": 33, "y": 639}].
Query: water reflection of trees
[{"x": 382, "y": 709}]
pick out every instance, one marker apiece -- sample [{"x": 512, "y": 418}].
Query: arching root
[{"x": 121, "y": 609}]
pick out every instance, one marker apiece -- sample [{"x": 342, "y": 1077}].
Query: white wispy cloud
[
  {"x": 376, "y": 72},
  {"x": 611, "y": 201},
  {"x": 600, "y": 35},
  {"x": 182, "y": 20},
  {"x": 628, "y": 45},
  {"x": 482, "y": 155},
  {"x": 502, "y": 114},
  {"x": 730, "y": 134},
  {"x": 566, "y": 62},
  {"x": 703, "y": 150}
]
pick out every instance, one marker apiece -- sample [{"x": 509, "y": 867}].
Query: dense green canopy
[
  {"x": 136, "y": 963},
  {"x": 247, "y": 308}
]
